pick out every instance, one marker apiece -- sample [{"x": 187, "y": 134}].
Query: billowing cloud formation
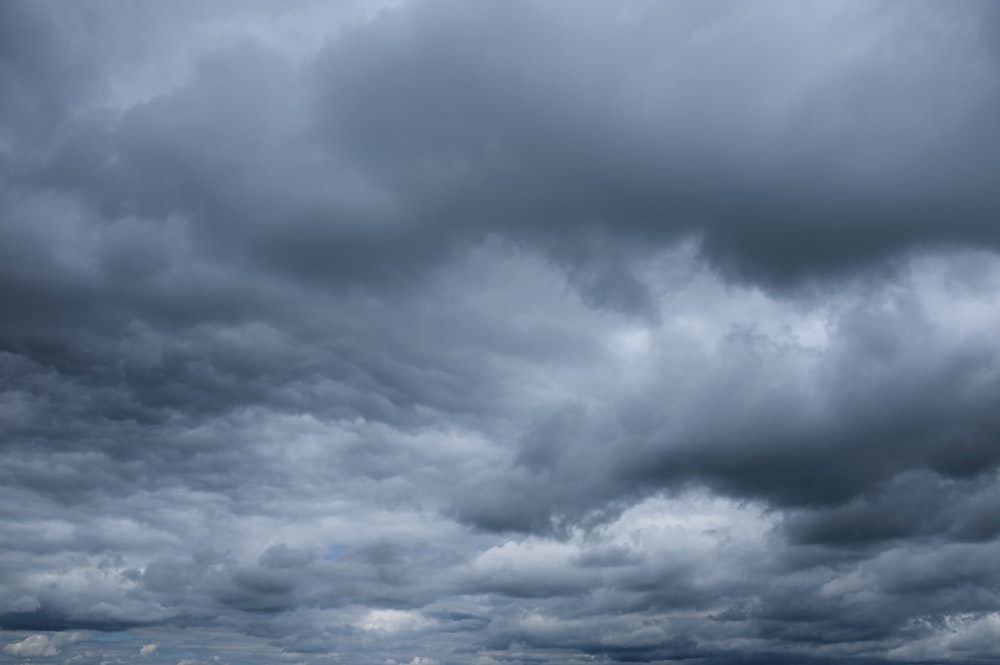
[
  {"x": 442, "y": 332},
  {"x": 33, "y": 646}
]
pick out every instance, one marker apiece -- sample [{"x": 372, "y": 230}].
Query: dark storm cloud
[
  {"x": 499, "y": 333},
  {"x": 421, "y": 129},
  {"x": 912, "y": 506},
  {"x": 878, "y": 397},
  {"x": 783, "y": 169},
  {"x": 874, "y": 405}
]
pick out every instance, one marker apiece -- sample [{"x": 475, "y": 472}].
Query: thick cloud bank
[{"x": 441, "y": 332}]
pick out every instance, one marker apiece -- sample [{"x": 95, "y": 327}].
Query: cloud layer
[{"x": 436, "y": 332}]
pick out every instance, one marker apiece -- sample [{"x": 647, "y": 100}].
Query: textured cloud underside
[{"x": 440, "y": 332}]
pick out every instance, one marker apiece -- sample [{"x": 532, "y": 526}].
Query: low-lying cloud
[{"x": 441, "y": 332}]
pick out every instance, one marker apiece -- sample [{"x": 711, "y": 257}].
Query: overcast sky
[{"x": 457, "y": 332}]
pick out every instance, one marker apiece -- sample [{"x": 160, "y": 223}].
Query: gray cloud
[{"x": 441, "y": 332}]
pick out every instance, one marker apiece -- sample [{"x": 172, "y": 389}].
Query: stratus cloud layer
[{"x": 446, "y": 332}]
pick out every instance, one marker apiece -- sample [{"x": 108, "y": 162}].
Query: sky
[{"x": 456, "y": 332}]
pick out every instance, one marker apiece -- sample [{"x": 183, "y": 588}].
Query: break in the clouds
[{"x": 438, "y": 332}]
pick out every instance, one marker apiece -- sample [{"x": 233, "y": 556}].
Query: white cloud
[
  {"x": 393, "y": 621},
  {"x": 33, "y": 646}
]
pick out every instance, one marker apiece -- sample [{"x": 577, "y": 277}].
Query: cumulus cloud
[
  {"x": 33, "y": 646},
  {"x": 392, "y": 621},
  {"x": 435, "y": 332}
]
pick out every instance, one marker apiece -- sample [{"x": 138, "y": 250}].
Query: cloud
[
  {"x": 33, "y": 646},
  {"x": 436, "y": 332},
  {"x": 392, "y": 621}
]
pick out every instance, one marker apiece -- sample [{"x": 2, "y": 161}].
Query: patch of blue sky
[{"x": 334, "y": 551}]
